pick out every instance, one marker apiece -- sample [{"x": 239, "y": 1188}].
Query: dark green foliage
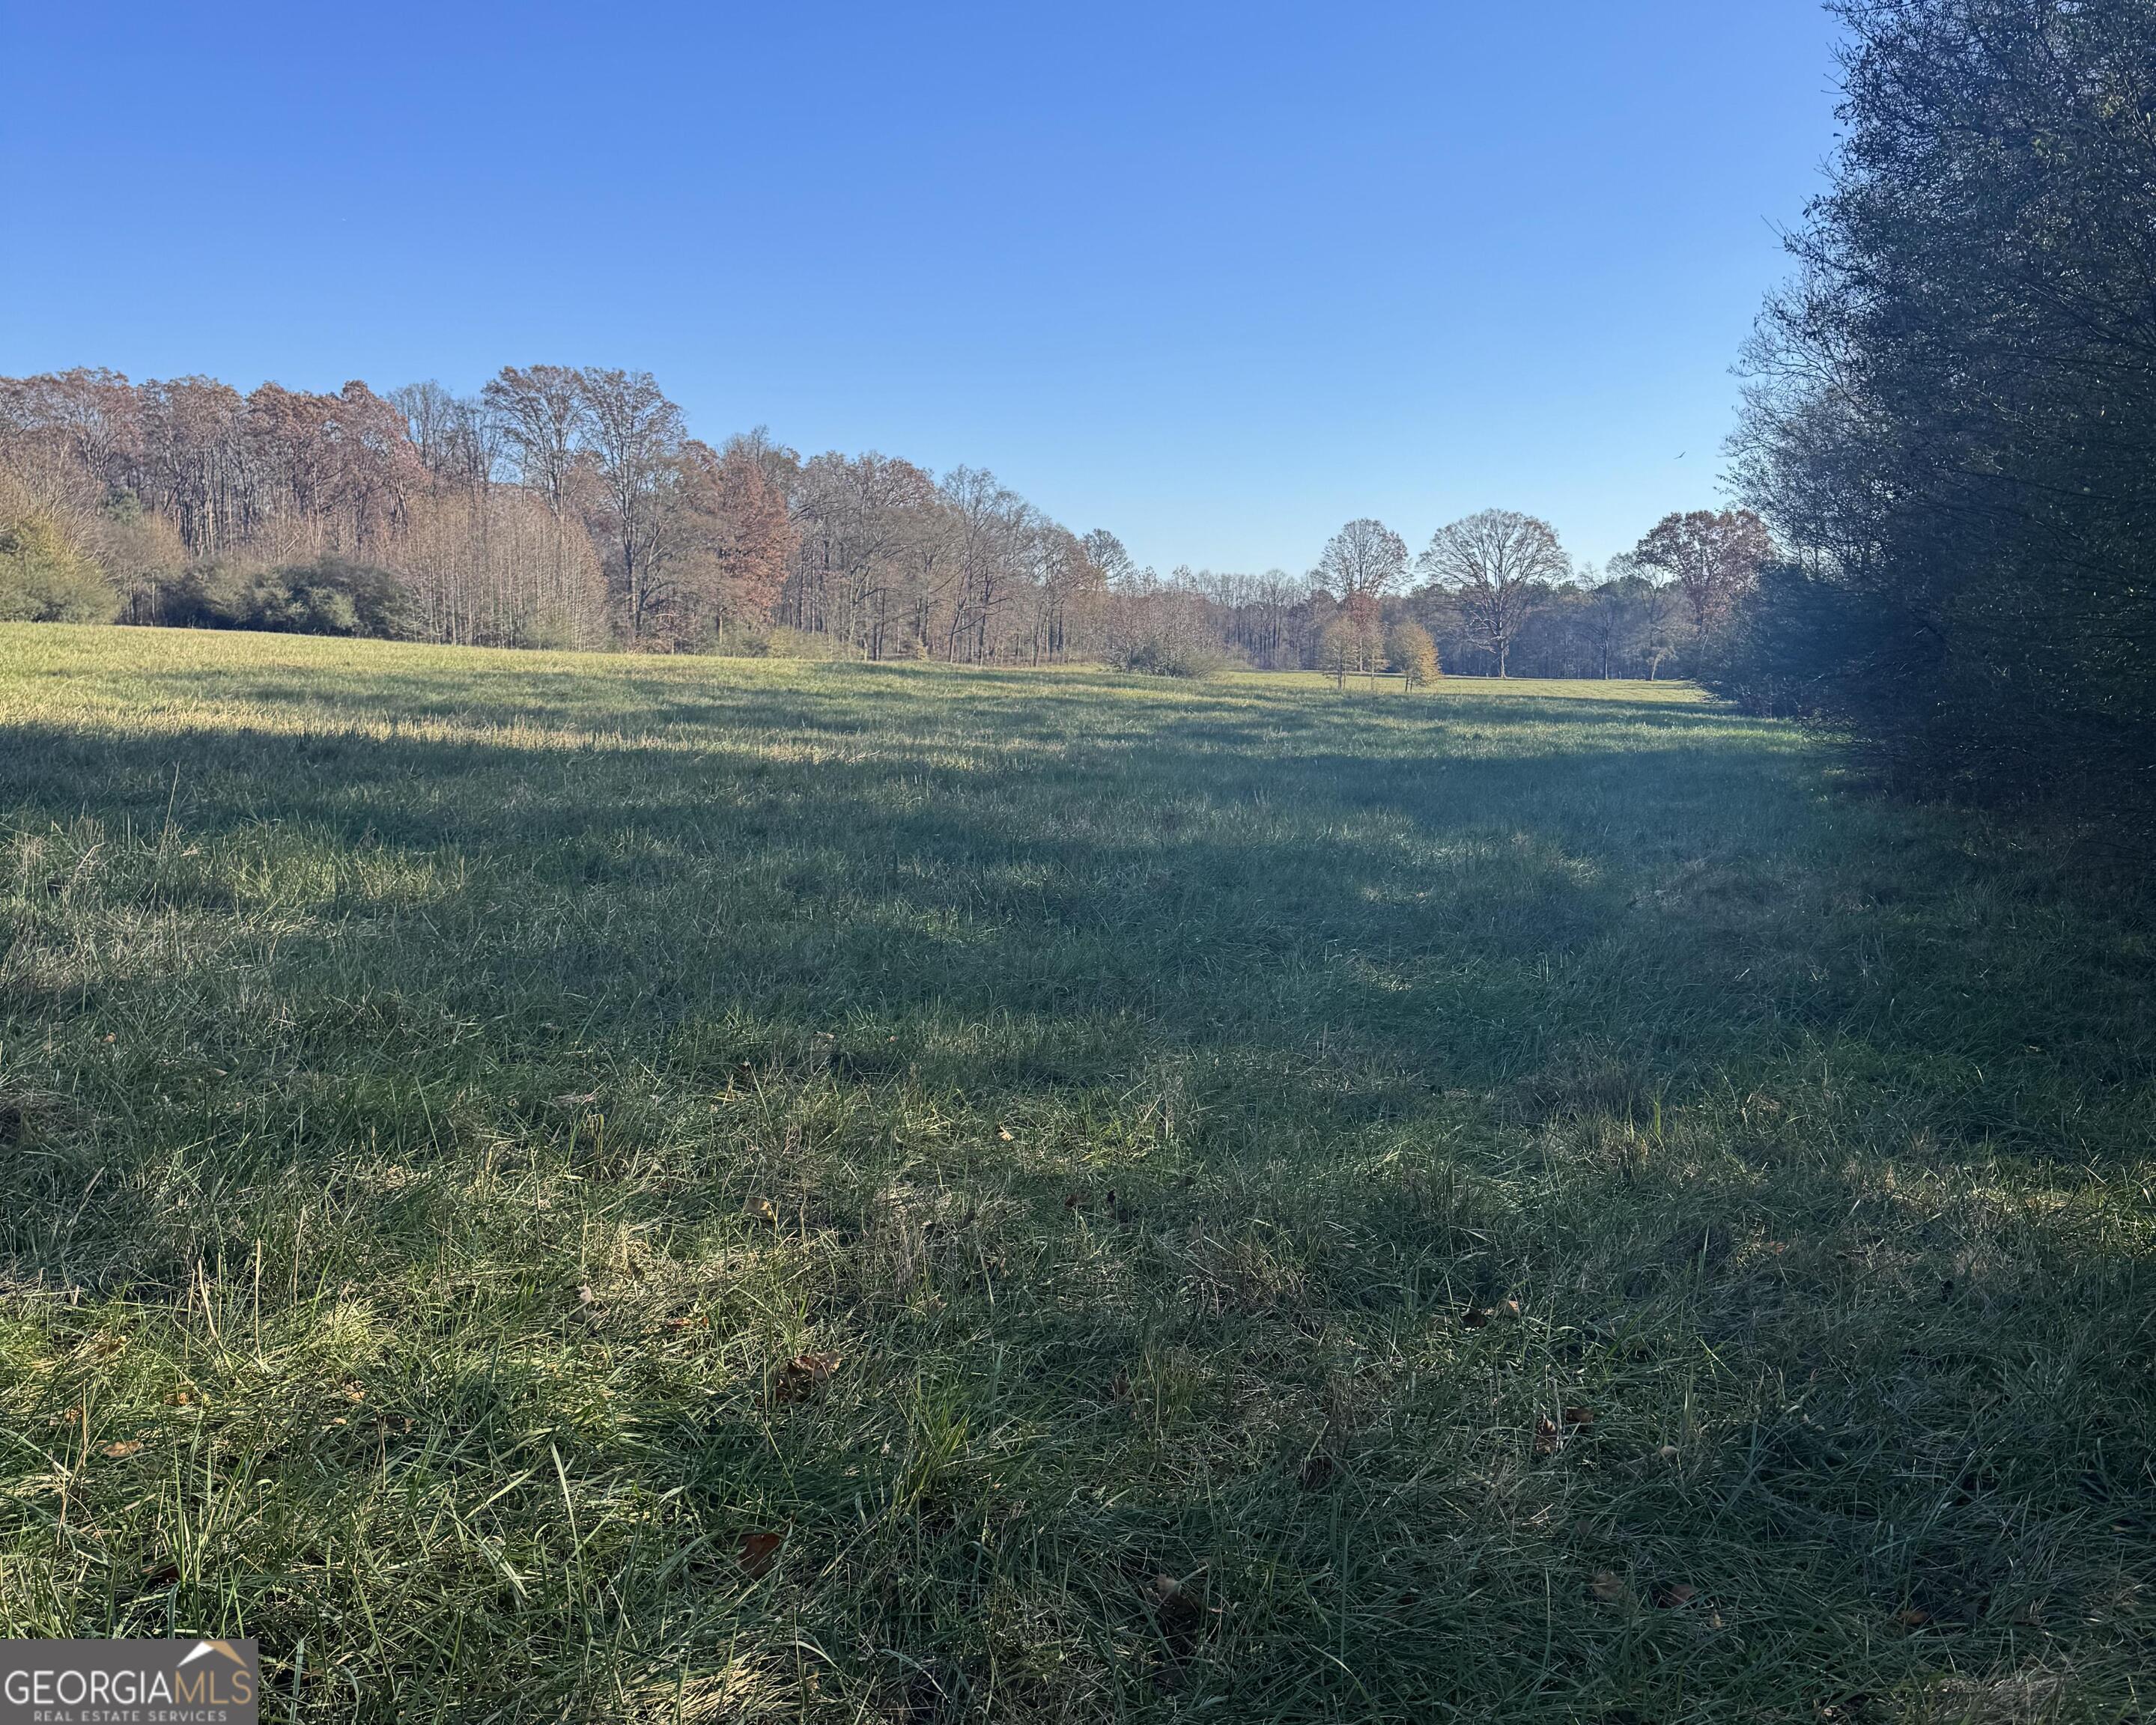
[
  {"x": 330, "y": 596},
  {"x": 1953, "y": 420}
]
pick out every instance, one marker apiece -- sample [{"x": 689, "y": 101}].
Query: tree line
[
  {"x": 1951, "y": 413},
  {"x": 1494, "y": 593},
  {"x": 563, "y": 506}
]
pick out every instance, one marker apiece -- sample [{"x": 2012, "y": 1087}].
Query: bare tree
[
  {"x": 1362, "y": 563},
  {"x": 992, "y": 522},
  {"x": 1497, "y": 565},
  {"x": 856, "y": 517},
  {"x": 1106, "y": 553},
  {"x": 490, "y": 567},
  {"x": 430, "y": 413},
  {"x": 540, "y": 410},
  {"x": 191, "y": 462},
  {"x": 637, "y": 434}
]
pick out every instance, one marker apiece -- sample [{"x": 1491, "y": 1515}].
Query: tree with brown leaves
[{"x": 1714, "y": 559}]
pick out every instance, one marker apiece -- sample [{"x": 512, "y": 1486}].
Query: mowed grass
[{"x": 577, "y": 1188}]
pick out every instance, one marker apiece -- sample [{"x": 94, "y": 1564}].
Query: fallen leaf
[
  {"x": 1669, "y": 1452},
  {"x": 116, "y": 1451},
  {"x": 1604, "y": 1585},
  {"x": 1546, "y": 1437},
  {"x": 1474, "y": 1318},
  {"x": 801, "y": 1376},
  {"x": 757, "y": 1550},
  {"x": 161, "y": 1574},
  {"x": 761, "y": 1209},
  {"x": 1579, "y": 1417},
  {"x": 1003, "y": 1132},
  {"x": 1913, "y": 1618},
  {"x": 1676, "y": 1593},
  {"x": 1512, "y": 1308},
  {"x": 584, "y": 1294},
  {"x": 353, "y": 1392}
]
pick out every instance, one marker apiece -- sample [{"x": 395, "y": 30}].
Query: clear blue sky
[{"x": 1218, "y": 277}]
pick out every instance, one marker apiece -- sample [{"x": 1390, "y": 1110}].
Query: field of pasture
[{"x": 550, "y": 1187}]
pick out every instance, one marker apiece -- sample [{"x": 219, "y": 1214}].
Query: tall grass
[{"x": 550, "y": 1187}]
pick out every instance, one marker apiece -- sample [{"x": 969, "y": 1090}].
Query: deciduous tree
[
  {"x": 1362, "y": 565},
  {"x": 1410, "y": 651},
  {"x": 1497, "y": 565},
  {"x": 1713, "y": 556}
]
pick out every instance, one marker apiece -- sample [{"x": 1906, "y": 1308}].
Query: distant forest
[{"x": 568, "y": 506}]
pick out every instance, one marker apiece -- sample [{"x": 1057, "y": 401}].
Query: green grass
[{"x": 486, "y": 1137}]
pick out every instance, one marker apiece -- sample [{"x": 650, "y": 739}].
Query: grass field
[{"x": 562, "y": 1188}]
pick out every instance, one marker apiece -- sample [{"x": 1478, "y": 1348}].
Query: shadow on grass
[
  {"x": 1468, "y": 917},
  {"x": 1140, "y": 1123}
]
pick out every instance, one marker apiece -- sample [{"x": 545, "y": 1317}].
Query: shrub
[
  {"x": 734, "y": 640},
  {"x": 330, "y": 596},
  {"x": 44, "y": 577},
  {"x": 1162, "y": 656}
]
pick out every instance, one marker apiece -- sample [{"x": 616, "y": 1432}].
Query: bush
[
  {"x": 44, "y": 577},
  {"x": 762, "y": 641},
  {"x": 1798, "y": 647},
  {"x": 330, "y": 596},
  {"x": 1160, "y": 656}
]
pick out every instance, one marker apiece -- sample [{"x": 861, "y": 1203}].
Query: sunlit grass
[{"x": 548, "y": 1186}]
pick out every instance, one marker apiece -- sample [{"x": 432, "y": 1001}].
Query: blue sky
[{"x": 1216, "y": 277}]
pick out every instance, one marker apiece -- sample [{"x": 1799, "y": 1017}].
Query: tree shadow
[{"x": 1364, "y": 1027}]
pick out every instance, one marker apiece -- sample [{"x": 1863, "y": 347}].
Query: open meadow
[{"x": 607, "y": 1188}]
